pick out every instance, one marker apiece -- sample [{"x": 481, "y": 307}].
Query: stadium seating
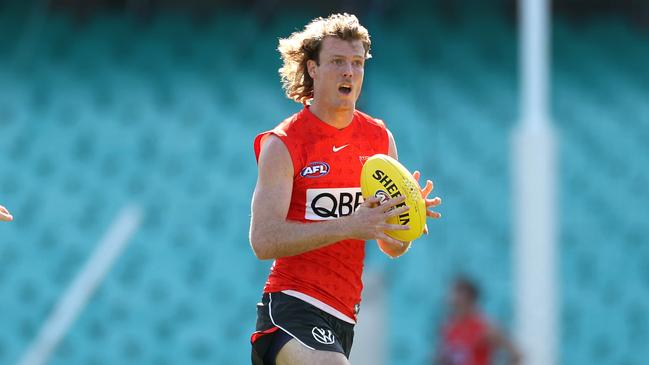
[{"x": 97, "y": 116}]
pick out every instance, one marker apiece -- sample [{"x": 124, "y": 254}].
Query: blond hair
[{"x": 305, "y": 45}]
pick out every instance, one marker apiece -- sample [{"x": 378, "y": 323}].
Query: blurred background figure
[
  {"x": 467, "y": 337},
  {"x": 5, "y": 216}
]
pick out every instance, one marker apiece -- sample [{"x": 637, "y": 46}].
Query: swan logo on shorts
[
  {"x": 315, "y": 169},
  {"x": 325, "y": 337},
  {"x": 332, "y": 203}
]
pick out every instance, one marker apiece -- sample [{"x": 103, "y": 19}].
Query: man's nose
[{"x": 347, "y": 70}]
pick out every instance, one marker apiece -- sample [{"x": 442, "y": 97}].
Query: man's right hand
[
  {"x": 369, "y": 221},
  {"x": 5, "y": 216}
]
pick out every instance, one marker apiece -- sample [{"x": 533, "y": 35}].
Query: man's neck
[
  {"x": 336, "y": 118},
  {"x": 464, "y": 312}
]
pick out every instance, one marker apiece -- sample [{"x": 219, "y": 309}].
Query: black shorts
[{"x": 279, "y": 314}]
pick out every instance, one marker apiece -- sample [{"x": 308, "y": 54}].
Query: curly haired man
[{"x": 307, "y": 210}]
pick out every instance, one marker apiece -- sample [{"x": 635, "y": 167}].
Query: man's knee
[{"x": 294, "y": 353}]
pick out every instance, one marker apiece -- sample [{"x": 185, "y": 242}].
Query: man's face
[
  {"x": 338, "y": 79},
  {"x": 459, "y": 299}
]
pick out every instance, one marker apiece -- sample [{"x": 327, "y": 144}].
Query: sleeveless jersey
[
  {"x": 466, "y": 341},
  {"x": 327, "y": 163}
]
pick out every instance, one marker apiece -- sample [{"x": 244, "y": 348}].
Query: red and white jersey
[{"x": 327, "y": 164}]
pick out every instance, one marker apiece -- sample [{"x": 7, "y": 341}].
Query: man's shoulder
[
  {"x": 279, "y": 134},
  {"x": 291, "y": 122},
  {"x": 364, "y": 117}
]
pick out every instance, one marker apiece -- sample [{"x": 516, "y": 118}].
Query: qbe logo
[{"x": 325, "y": 204}]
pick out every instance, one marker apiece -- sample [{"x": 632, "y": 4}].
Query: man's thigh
[{"x": 294, "y": 353}]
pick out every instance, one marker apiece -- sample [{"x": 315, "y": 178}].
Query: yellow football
[{"x": 384, "y": 177}]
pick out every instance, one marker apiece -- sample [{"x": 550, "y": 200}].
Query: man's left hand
[{"x": 430, "y": 203}]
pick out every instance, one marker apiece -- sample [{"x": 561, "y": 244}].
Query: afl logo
[{"x": 315, "y": 169}]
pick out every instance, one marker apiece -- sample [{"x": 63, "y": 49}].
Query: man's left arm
[{"x": 394, "y": 250}]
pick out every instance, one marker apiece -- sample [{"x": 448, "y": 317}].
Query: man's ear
[{"x": 310, "y": 67}]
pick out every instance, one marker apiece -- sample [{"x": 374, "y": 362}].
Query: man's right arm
[{"x": 272, "y": 236}]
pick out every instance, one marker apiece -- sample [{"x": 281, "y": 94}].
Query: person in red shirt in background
[
  {"x": 5, "y": 216},
  {"x": 467, "y": 338}
]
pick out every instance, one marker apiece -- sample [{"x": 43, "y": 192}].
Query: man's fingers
[
  {"x": 371, "y": 202},
  {"x": 427, "y": 189},
  {"x": 4, "y": 210},
  {"x": 416, "y": 175},
  {"x": 389, "y": 240},
  {"x": 433, "y": 203},
  {"x": 432, "y": 214},
  {"x": 393, "y": 227},
  {"x": 397, "y": 211},
  {"x": 392, "y": 202}
]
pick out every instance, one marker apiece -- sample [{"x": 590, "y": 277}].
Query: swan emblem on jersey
[
  {"x": 325, "y": 337},
  {"x": 315, "y": 169}
]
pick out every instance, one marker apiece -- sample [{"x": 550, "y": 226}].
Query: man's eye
[
  {"x": 338, "y": 61},
  {"x": 358, "y": 63}
]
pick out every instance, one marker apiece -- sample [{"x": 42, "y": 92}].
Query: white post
[{"x": 534, "y": 195}]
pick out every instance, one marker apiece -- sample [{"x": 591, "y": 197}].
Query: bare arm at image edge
[{"x": 5, "y": 216}]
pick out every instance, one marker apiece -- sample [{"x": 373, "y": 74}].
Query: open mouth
[{"x": 345, "y": 89}]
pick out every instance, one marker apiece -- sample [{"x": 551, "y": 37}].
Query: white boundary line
[{"x": 79, "y": 292}]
